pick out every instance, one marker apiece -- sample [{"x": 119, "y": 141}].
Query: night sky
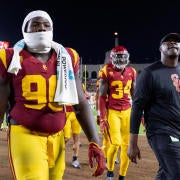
[{"x": 89, "y": 26}]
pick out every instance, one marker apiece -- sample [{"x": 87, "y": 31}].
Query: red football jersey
[
  {"x": 119, "y": 83},
  {"x": 34, "y": 88}
]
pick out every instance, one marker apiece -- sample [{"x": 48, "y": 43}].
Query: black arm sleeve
[{"x": 142, "y": 96}]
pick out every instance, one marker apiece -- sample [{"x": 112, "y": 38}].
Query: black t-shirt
[{"x": 157, "y": 94}]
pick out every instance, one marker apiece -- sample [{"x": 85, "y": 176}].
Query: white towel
[
  {"x": 66, "y": 92},
  {"x": 15, "y": 64}
]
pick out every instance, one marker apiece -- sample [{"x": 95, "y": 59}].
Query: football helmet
[{"x": 119, "y": 57}]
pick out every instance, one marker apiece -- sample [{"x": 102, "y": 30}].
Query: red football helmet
[{"x": 119, "y": 57}]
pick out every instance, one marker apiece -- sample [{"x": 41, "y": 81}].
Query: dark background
[{"x": 89, "y": 26}]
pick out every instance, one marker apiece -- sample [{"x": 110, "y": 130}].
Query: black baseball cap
[{"x": 171, "y": 36}]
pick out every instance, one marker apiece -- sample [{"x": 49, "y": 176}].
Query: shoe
[
  {"x": 109, "y": 175},
  {"x": 76, "y": 164},
  {"x": 121, "y": 177},
  {"x": 117, "y": 161}
]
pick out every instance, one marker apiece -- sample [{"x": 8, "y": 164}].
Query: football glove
[
  {"x": 96, "y": 159},
  {"x": 103, "y": 125}
]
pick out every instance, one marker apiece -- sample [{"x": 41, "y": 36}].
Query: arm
[
  {"x": 84, "y": 114},
  {"x": 97, "y": 106},
  {"x": 133, "y": 150},
  {"x": 132, "y": 89},
  {"x": 4, "y": 94},
  {"x": 103, "y": 93},
  {"x": 103, "y": 89},
  {"x": 86, "y": 119},
  {"x": 133, "y": 84},
  {"x": 83, "y": 111},
  {"x": 97, "y": 97},
  {"x": 141, "y": 98}
]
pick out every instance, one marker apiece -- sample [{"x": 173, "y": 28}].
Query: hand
[
  {"x": 143, "y": 123},
  {"x": 96, "y": 158},
  {"x": 87, "y": 96},
  {"x": 103, "y": 125},
  {"x": 134, "y": 153}
]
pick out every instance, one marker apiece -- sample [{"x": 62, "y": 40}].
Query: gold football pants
[
  {"x": 119, "y": 123},
  {"x": 36, "y": 156}
]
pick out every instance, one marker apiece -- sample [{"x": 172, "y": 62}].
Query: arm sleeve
[
  {"x": 103, "y": 89},
  {"x": 143, "y": 92}
]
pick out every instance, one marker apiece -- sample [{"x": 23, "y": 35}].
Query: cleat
[
  {"x": 121, "y": 177},
  {"x": 76, "y": 164},
  {"x": 109, "y": 175}
]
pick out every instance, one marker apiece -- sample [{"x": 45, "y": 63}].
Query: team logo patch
[
  {"x": 44, "y": 67},
  {"x": 176, "y": 81},
  {"x": 110, "y": 73}
]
